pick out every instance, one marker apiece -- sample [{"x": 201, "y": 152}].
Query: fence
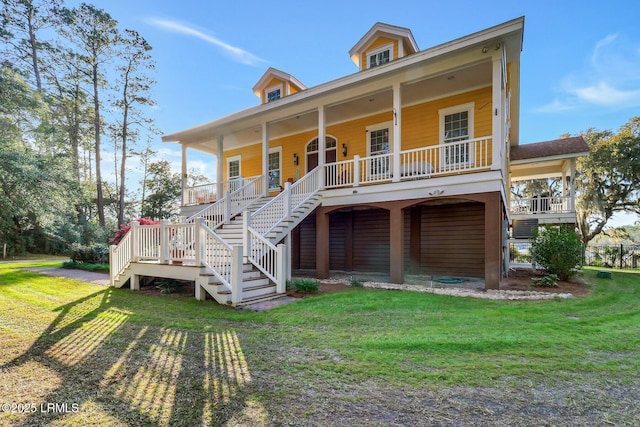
[{"x": 614, "y": 256}]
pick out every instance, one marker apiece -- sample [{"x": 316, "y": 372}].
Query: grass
[{"x": 130, "y": 359}]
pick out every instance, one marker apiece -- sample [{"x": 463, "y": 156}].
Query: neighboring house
[{"x": 403, "y": 167}]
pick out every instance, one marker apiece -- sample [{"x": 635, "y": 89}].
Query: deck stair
[{"x": 233, "y": 251}]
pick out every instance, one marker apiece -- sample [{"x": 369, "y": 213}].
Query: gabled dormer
[
  {"x": 383, "y": 43},
  {"x": 275, "y": 84}
]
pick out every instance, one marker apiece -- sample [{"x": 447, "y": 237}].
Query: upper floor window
[
  {"x": 456, "y": 126},
  {"x": 273, "y": 95},
  {"x": 379, "y": 56}
]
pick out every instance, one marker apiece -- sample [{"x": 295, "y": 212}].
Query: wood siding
[{"x": 451, "y": 240}]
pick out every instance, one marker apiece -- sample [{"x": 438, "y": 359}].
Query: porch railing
[
  {"x": 208, "y": 193},
  {"x": 232, "y": 203},
  {"x": 445, "y": 159},
  {"x": 541, "y": 205}
]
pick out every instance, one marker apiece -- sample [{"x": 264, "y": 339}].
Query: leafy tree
[
  {"x": 21, "y": 22},
  {"x": 609, "y": 179},
  {"x": 165, "y": 189},
  {"x": 134, "y": 86},
  {"x": 94, "y": 32}
]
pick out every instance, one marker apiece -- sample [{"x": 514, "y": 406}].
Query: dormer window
[
  {"x": 274, "y": 93},
  {"x": 379, "y": 56}
]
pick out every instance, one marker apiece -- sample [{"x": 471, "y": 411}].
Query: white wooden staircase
[{"x": 232, "y": 250}]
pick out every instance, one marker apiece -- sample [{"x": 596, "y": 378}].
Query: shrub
[
  {"x": 355, "y": 283},
  {"x": 558, "y": 250},
  {"x": 549, "y": 281},
  {"x": 92, "y": 254},
  {"x": 124, "y": 229},
  {"x": 306, "y": 285}
]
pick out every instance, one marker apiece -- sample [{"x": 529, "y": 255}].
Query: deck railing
[
  {"x": 541, "y": 205},
  {"x": 445, "y": 159},
  {"x": 120, "y": 256},
  {"x": 232, "y": 203},
  {"x": 208, "y": 193}
]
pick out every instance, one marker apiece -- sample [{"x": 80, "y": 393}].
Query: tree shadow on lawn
[{"x": 101, "y": 368}]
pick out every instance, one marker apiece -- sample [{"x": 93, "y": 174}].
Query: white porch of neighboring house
[{"x": 544, "y": 160}]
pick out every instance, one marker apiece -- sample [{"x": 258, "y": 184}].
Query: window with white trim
[
  {"x": 273, "y": 93},
  {"x": 275, "y": 168},
  {"x": 379, "y": 138},
  {"x": 456, "y": 126},
  {"x": 380, "y": 56},
  {"x": 233, "y": 172}
]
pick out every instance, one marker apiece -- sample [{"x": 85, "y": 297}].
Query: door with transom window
[{"x": 313, "y": 149}]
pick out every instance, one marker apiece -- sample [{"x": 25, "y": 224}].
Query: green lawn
[{"x": 128, "y": 359}]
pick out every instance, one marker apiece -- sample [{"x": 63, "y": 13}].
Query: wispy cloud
[
  {"x": 236, "y": 53},
  {"x": 610, "y": 79}
]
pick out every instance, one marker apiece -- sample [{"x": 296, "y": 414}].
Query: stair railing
[
  {"x": 284, "y": 204},
  {"x": 224, "y": 260},
  {"x": 232, "y": 203},
  {"x": 120, "y": 256}
]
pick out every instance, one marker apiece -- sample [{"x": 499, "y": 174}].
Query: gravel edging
[{"x": 492, "y": 294}]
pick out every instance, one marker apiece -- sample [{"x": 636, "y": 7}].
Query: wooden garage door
[
  {"x": 452, "y": 240},
  {"x": 307, "y": 243},
  {"x": 371, "y": 240}
]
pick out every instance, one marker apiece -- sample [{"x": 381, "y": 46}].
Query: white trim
[
  {"x": 378, "y": 126},
  {"x": 279, "y": 151},
  {"x": 508, "y": 32},
  {"x": 469, "y": 107},
  {"x": 370, "y": 53},
  {"x": 231, "y": 159},
  {"x": 274, "y": 88},
  {"x": 306, "y": 153}
]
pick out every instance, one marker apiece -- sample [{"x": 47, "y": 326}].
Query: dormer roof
[
  {"x": 274, "y": 75},
  {"x": 401, "y": 34}
]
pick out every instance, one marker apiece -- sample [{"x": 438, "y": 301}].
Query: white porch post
[
  {"x": 397, "y": 131},
  {"x": 220, "y": 168},
  {"x": 572, "y": 185},
  {"x": 265, "y": 158},
  {"x": 497, "y": 124},
  {"x": 322, "y": 144},
  {"x": 184, "y": 173}
]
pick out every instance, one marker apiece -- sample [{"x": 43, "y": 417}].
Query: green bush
[
  {"x": 93, "y": 254},
  {"x": 306, "y": 285},
  {"x": 549, "y": 281},
  {"x": 85, "y": 266},
  {"x": 558, "y": 250}
]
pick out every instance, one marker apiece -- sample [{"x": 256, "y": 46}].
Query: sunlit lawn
[{"x": 115, "y": 357}]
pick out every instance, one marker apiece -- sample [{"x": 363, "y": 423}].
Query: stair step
[{"x": 254, "y": 300}]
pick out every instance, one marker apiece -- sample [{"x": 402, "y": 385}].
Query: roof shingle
[{"x": 558, "y": 147}]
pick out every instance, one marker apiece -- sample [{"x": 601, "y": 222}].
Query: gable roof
[
  {"x": 557, "y": 149},
  {"x": 274, "y": 72},
  {"x": 382, "y": 29}
]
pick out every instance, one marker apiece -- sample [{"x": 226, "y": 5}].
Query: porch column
[
  {"x": 322, "y": 244},
  {"x": 397, "y": 131},
  {"x": 492, "y": 241},
  {"x": 184, "y": 173},
  {"x": 322, "y": 144},
  {"x": 396, "y": 245},
  {"x": 572, "y": 185},
  {"x": 220, "y": 168},
  {"x": 265, "y": 158},
  {"x": 497, "y": 124}
]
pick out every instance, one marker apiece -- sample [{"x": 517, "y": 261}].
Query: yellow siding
[
  {"x": 274, "y": 81},
  {"x": 250, "y": 160},
  {"x": 421, "y": 123},
  {"x": 420, "y": 128},
  {"x": 379, "y": 42}
]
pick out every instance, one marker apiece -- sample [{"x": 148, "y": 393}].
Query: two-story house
[{"x": 404, "y": 166}]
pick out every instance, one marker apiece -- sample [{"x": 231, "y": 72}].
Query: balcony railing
[
  {"x": 452, "y": 158},
  {"x": 208, "y": 193},
  {"x": 542, "y": 205}
]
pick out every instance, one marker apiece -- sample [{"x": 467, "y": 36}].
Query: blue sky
[{"x": 580, "y": 65}]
